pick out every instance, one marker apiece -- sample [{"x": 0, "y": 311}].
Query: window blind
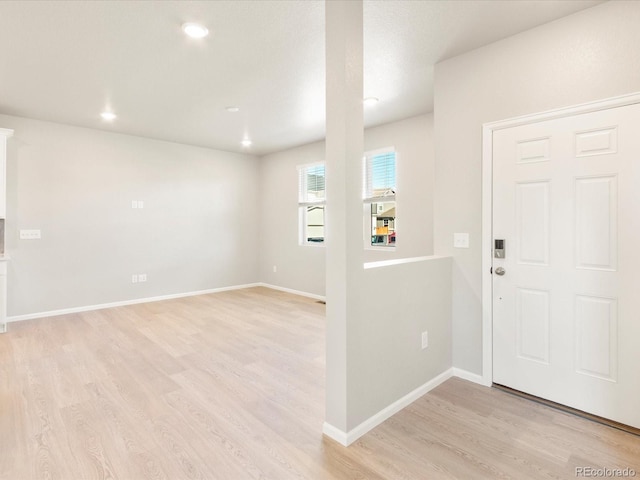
[
  {"x": 380, "y": 176},
  {"x": 311, "y": 184}
]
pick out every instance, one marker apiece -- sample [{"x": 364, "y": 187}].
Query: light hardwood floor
[{"x": 231, "y": 386}]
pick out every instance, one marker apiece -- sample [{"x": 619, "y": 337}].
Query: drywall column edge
[{"x": 344, "y": 146}]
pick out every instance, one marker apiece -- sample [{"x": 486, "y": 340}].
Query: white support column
[
  {"x": 4, "y": 135},
  {"x": 344, "y": 150}
]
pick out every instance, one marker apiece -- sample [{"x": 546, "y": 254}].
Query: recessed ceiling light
[
  {"x": 109, "y": 116},
  {"x": 195, "y": 30},
  {"x": 233, "y": 109},
  {"x": 246, "y": 142},
  {"x": 371, "y": 101}
]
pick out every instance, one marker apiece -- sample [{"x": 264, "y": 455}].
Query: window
[
  {"x": 311, "y": 203},
  {"x": 380, "y": 195}
]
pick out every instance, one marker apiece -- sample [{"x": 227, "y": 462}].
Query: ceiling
[{"x": 68, "y": 61}]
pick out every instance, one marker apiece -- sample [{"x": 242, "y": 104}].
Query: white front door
[{"x": 566, "y": 311}]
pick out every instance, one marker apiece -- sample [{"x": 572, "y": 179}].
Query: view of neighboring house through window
[
  {"x": 380, "y": 195},
  {"x": 311, "y": 203}
]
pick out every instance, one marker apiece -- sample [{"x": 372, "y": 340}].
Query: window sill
[
  {"x": 312, "y": 244},
  {"x": 381, "y": 249},
  {"x": 401, "y": 261}
]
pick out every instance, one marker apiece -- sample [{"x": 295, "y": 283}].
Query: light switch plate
[
  {"x": 461, "y": 240},
  {"x": 30, "y": 235}
]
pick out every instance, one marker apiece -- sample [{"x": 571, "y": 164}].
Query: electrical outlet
[
  {"x": 142, "y": 277},
  {"x": 275, "y": 269},
  {"x": 134, "y": 203},
  {"x": 461, "y": 240},
  {"x": 140, "y": 203},
  {"x": 30, "y": 235},
  {"x": 425, "y": 340},
  {"x": 134, "y": 278}
]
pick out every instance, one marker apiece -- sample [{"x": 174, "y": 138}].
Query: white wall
[
  {"x": 198, "y": 229},
  {"x": 375, "y": 316},
  {"x": 584, "y": 57},
  {"x": 413, "y": 141},
  {"x": 302, "y": 267},
  {"x": 386, "y": 360}
]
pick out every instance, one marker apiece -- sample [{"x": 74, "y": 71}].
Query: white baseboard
[
  {"x": 472, "y": 377},
  {"x": 335, "y": 434},
  {"x": 87, "y": 308},
  {"x": 466, "y": 375},
  {"x": 347, "y": 438},
  {"x": 291, "y": 290}
]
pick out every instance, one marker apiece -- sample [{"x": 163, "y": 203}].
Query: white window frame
[
  {"x": 304, "y": 203},
  {"x": 369, "y": 199}
]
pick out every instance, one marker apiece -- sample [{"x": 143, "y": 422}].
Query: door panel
[
  {"x": 597, "y": 337},
  {"x": 532, "y": 324},
  {"x": 566, "y": 200},
  {"x": 596, "y": 222},
  {"x": 532, "y": 214}
]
